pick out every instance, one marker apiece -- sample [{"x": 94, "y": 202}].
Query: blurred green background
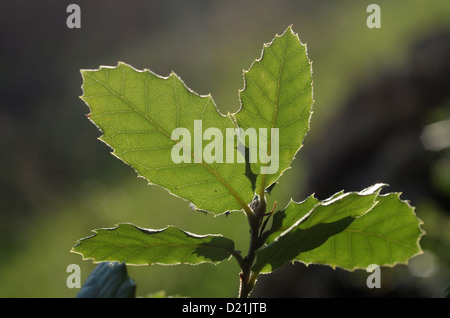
[{"x": 58, "y": 182}]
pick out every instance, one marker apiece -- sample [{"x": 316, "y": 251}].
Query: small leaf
[
  {"x": 349, "y": 231},
  {"x": 278, "y": 94},
  {"x": 108, "y": 280},
  {"x": 133, "y": 245}
]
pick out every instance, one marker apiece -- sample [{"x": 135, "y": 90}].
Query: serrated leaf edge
[{"x": 149, "y": 231}]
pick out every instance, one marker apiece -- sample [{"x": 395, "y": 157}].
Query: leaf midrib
[
  {"x": 275, "y": 109},
  {"x": 136, "y": 245}
]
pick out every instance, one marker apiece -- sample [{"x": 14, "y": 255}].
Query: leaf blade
[
  {"x": 312, "y": 211},
  {"x": 278, "y": 94},
  {"x": 127, "y": 243},
  {"x": 307, "y": 225},
  {"x": 137, "y": 111},
  {"x": 342, "y": 242}
]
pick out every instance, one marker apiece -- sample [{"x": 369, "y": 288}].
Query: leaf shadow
[
  {"x": 251, "y": 176},
  {"x": 289, "y": 246},
  {"x": 216, "y": 250},
  {"x": 313, "y": 237}
]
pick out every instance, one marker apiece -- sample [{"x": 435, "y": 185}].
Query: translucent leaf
[
  {"x": 310, "y": 212},
  {"x": 133, "y": 245},
  {"x": 138, "y": 111},
  {"x": 278, "y": 95},
  {"x": 349, "y": 231}
]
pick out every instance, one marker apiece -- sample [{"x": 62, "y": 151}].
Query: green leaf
[
  {"x": 137, "y": 111},
  {"x": 278, "y": 94},
  {"x": 350, "y": 231},
  {"x": 310, "y": 212},
  {"x": 133, "y": 245}
]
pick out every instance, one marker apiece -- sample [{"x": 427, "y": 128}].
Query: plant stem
[
  {"x": 247, "y": 288},
  {"x": 247, "y": 276}
]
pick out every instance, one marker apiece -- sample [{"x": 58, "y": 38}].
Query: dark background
[{"x": 375, "y": 91}]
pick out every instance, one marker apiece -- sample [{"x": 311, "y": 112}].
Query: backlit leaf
[
  {"x": 349, "y": 231},
  {"x": 137, "y": 111},
  {"x": 278, "y": 94},
  {"x": 133, "y": 245}
]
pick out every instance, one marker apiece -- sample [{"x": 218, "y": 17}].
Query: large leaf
[
  {"x": 137, "y": 112},
  {"x": 278, "y": 94},
  {"x": 347, "y": 231},
  {"x": 133, "y": 245}
]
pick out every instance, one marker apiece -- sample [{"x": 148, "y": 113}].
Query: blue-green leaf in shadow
[{"x": 108, "y": 280}]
